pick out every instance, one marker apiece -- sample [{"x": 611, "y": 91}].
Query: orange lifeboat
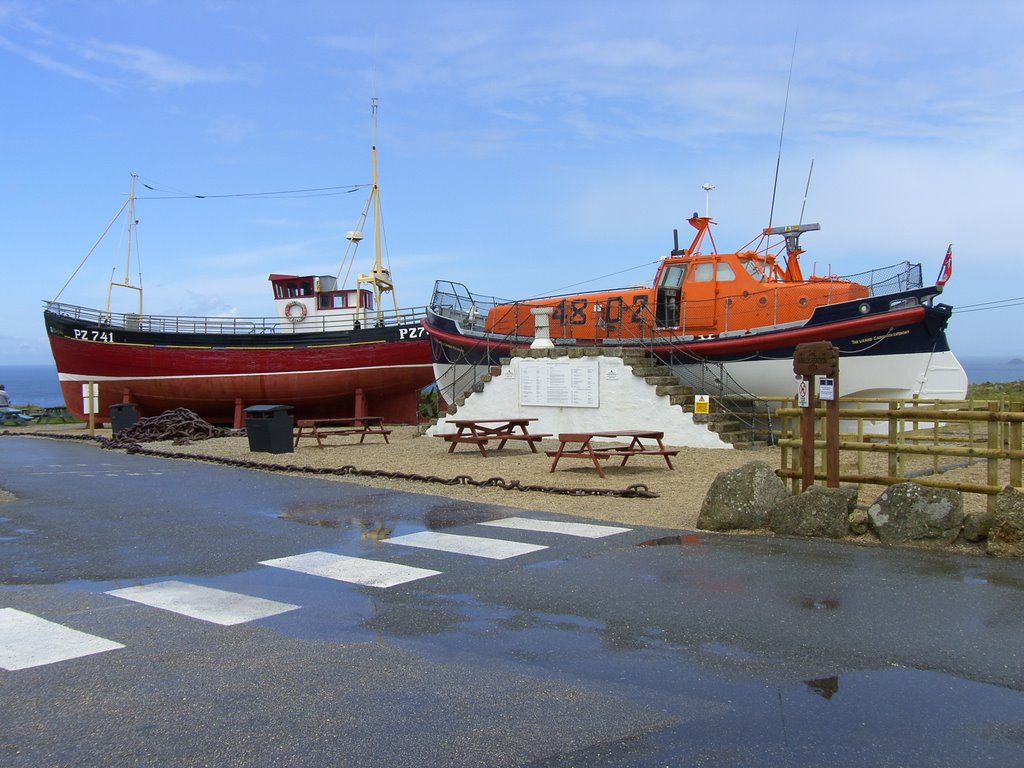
[{"x": 693, "y": 294}]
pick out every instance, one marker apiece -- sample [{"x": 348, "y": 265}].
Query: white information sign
[
  {"x": 564, "y": 383},
  {"x": 827, "y": 389},
  {"x": 90, "y": 398},
  {"x": 803, "y": 396}
]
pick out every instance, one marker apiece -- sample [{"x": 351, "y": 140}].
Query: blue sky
[{"x": 524, "y": 146}]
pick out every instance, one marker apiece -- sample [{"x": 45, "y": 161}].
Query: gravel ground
[{"x": 681, "y": 491}]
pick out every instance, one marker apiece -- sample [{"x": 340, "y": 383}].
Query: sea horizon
[{"x": 38, "y": 384}]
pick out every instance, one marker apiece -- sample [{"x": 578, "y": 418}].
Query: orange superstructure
[{"x": 693, "y": 294}]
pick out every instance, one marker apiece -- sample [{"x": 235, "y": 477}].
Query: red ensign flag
[{"x": 947, "y": 267}]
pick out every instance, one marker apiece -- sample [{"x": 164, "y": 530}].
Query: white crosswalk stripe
[
  {"x": 214, "y": 605},
  {"x": 355, "y": 570},
  {"x": 495, "y": 549},
  {"x": 585, "y": 530},
  {"x": 29, "y": 641}
]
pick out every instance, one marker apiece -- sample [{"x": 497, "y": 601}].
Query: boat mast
[
  {"x": 128, "y": 253},
  {"x": 379, "y": 277}
]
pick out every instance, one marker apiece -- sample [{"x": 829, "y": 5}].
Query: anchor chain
[{"x": 182, "y": 426}]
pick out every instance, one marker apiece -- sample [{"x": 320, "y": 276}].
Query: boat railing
[
  {"x": 904, "y": 276},
  {"x": 723, "y": 317},
  {"x": 774, "y": 307},
  {"x": 184, "y": 324}
]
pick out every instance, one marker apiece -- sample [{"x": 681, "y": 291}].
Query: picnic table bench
[
  {"x": 11, "y": 416},
  {"x": 586, "y": 450},
  {"x": 479, "y": 432},
  {"x": 356, "y": 425}
]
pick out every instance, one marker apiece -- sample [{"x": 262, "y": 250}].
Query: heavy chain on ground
[{"x": 182, "y": 426}]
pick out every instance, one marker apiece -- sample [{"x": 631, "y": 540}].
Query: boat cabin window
[
  {"x": 707, "y": 271},
  {"x": 674, "y": 276},
  {"x": 293, "y": 289},
  {"x": 753, "y": 269},
  {"x": 333, "y": 300},
  {"x": 703, "y": 272}
]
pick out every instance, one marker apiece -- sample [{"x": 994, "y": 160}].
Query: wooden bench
[
  {"x": 357, "y": 425},
  {"x": 480, "y": 432},
  {"x": 586, "y": 450}
]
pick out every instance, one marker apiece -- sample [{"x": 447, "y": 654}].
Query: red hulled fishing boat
[{"x": 328, "y": 351}]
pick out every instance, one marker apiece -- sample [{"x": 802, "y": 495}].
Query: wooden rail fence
[{"x": 914, "y": 432}]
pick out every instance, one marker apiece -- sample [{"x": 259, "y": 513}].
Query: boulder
[
  {"x": 1006, "y": 536},
  {"x": 742, "y": 498},
  {"x": 858, "y": 522},
  {"x": 977, "y": 525},
  {"x": 818, "y": 511},
  {"x": 910, "y": 513}
]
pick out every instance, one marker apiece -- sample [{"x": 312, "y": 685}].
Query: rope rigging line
[
  {"x": 997, "y": 304},
  {"x": 283, "y": 193}
]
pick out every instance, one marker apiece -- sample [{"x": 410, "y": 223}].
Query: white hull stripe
[
  {"x": 214, "y": 605},
  {"x": 585, "y": 530},
  {"x": 495, "y": 549},
  {"x": 29, "y": 641},
  {"x": 354, "y": 570},
  {"x": 87, "y": 378}
]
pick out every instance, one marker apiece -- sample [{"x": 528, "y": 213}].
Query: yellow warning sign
[{"x": 700, "y": 403}]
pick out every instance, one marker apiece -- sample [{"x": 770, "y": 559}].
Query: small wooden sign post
[
  {"x": 90, "y": 403},
  {"x": 818, "y": 358}
]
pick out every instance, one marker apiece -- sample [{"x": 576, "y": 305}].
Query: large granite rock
[
  {"x": 910, "y": 513},
  {"x": 742, "y": 498},
  {"x": 1006, "y": 536},
  {"x": 977, "y": 524},
  {"x": 818, "y": 511}
]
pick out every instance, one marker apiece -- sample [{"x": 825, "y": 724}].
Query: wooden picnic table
[
  {"x": 586, "y": 450},
  {"x": 356, "y": 425},
  {"x": 479, "y": 432}
]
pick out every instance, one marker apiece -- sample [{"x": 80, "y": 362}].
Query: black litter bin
[
  {"x": 122, "y": 416},
  {"x": 269, "y": 428}
]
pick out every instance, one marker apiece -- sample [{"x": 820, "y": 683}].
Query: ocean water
[
  {"x": 31, "y": 385},
  {"x": 993, "y": 369},
  {"x": 38, "y": 385}
]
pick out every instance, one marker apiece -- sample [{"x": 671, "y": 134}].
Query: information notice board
[{"x": 565, "y": 383}]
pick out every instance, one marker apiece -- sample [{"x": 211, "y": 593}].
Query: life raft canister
[{"x": 295, "y": 311}]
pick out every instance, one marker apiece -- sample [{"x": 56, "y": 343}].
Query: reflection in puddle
[
  {"x": 451, "y": 514},
  {"x": 729, "y": 651},
  {"x": 546, "y": 564},
  {"x": 680, "y": 540},
  {"x": 826, "y": 687},
  {"x": 819, "y": 603},
  {"x": 319, "y": 514}
]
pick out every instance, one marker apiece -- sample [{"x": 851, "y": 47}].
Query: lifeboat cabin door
[{"x": 669, "y": 296}]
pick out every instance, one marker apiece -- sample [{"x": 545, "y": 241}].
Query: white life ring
[{"x": 295, "y": 316}]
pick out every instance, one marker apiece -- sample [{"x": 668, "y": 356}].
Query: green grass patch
[{"x": 1011, "y": 390}]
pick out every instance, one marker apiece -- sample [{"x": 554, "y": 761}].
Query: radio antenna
[
  {"x": 809, "y": 172},
  {"x": 782, "y": 131}
]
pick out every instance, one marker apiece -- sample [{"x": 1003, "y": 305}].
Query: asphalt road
[{"x": 644, "y": 647}]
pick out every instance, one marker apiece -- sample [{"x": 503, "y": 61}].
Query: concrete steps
[{"x": 731, "y": 429}]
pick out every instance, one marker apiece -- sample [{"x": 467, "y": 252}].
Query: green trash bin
[
  {"x": 122, "y": 416},
  {"x": 269, "y": 428}
]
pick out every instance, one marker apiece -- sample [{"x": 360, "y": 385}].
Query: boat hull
[
  {"x": 884, "y": 353},
  {"x": 377, "y": 371}
]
